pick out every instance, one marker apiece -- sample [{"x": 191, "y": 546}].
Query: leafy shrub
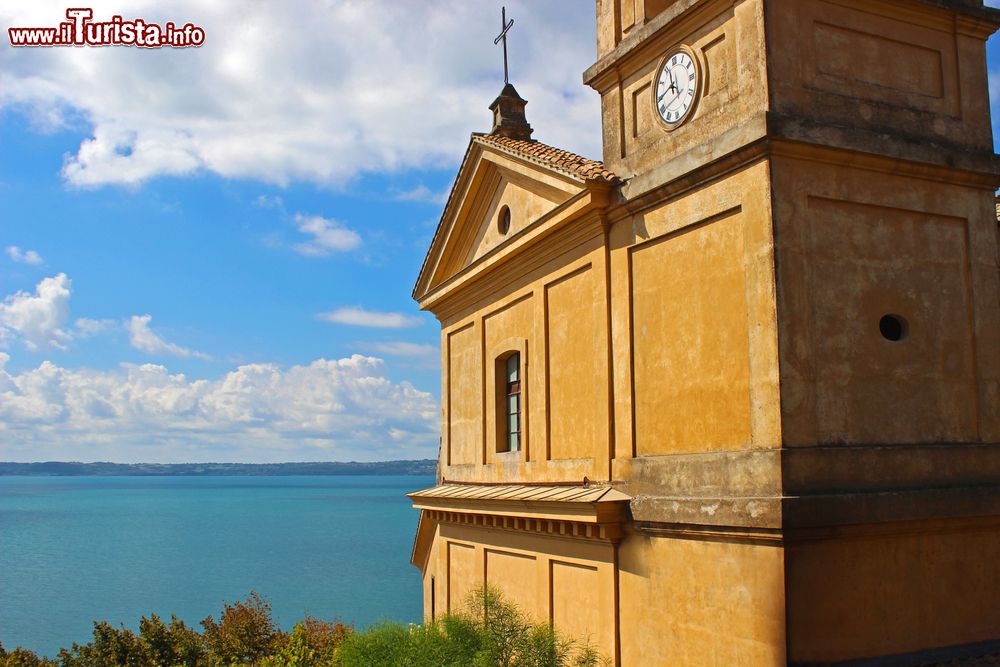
[
  {"x": 395, "y": 645},
  {"x": 491, "y": 632},
  {"x": 323, "y": 637},
  {"x": 157, "y": 644},
  {"x": 21, "y": 657},
  {"x": 294, "y": 652},
  {"x": 245, "y": 633},
  {"x": 511, "y": 639},
  {"x": 110, "y": 647},
  {"x": 173, "y": 644}
]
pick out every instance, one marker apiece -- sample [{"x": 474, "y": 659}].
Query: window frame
[
  {"x": 512, "y": 424},
  {"x": 500, "y": 418}
]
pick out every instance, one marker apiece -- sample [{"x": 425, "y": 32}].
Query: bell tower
[
  {"x": 806, "y": 296},
  {"x": 508, "y": 115}
]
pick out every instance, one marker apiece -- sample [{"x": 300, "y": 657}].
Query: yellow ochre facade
[{"x": 731, "y": 396}]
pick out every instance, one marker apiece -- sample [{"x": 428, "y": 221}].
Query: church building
[{"x": 731, "y": 396}]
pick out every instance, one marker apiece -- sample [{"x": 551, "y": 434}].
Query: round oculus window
[
  {"x": 503, "y": 220},
  {"x": 893, "y": 328}
]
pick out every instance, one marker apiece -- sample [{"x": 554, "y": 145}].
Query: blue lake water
[{"x": 78, "y": 549}]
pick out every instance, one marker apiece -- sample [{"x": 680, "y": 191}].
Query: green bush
[
  {"x": 395, "y": 645},
  {"x": 173, "y": 644},
  {"x": 157, "y": 644},
  {"x": 22, "y": 658},
  {"x": 491, "y": 632},
  {"x": 245, "y": 633}
]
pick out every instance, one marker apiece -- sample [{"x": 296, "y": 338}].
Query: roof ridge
[{"x": 567, "y": 162}]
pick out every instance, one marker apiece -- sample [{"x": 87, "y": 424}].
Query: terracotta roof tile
[
  {"x": 565, "y": 161},
  {"x": 518, "y": 492}
]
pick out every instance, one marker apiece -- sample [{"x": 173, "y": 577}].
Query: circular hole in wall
[
  {"x": 893, "y": 327},
  {"x": 503, "y": 220}
]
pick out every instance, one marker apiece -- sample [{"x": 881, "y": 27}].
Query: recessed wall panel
[
  {"x": 464, "y": 574},
  {"x": 516, "y": 577},
  {"x": 866, "y": 263},
  {"x": 576, "y": 363},
  {"x": 464, "y": 397},
  {"x": 691, "y": 340},
  {"x": 576, "y": 601}
]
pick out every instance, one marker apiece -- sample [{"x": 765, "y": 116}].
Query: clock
[{"x": 676, "y": 87}]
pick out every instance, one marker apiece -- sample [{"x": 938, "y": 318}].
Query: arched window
[{"x": 509, "y": 403}]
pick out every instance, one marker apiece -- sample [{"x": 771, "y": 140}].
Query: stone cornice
[
  {"x": 638, "y": 41},
  {"x": 652, "y": 189},
  {"x": 970, "y": 16},
  {"x": 576, "y": 512},
  {"x": 565, "y": 528}
]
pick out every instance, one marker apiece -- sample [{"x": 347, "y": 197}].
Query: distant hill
[{"x": 418, "y": 467}]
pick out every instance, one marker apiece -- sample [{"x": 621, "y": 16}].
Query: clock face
[{"x": 677, "y": 83}]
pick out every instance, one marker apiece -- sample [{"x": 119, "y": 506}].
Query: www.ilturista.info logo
[{"x": 81, "y": 30}]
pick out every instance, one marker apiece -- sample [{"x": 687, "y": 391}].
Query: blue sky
[{"x": 207, "y": 254}]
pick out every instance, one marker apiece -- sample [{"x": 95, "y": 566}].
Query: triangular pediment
[{"x": 491, "y": 182}]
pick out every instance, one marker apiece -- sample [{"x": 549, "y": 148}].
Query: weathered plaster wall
[
  {"x": 463, "y": 411},
  {"x": 695, "y": 602},
  {"x": 855, "y": 245},
  {"x": 896, "y": 588},
  {"x": 695, "y": 331},
  {"x": 879, "y": 76},
  {"x": 728, "y": 38},
  {"x": 576, "y": 322},
  {"x": 690, "y": 339},
  {"x": 556, "y": 317},
  {"x": 568, "y": 582}
]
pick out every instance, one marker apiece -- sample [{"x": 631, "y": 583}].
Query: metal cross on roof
[{"x": 503, "y": 36}]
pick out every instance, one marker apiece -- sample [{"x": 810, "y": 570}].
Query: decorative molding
[{"x": 577, "y": 530}]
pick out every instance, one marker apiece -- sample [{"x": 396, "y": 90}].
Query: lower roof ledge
[{"x": 576, "y": 503}]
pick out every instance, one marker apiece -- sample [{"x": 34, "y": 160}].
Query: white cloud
[
  {"x": 326, "y": 410},
  {"x": 359, "y": 317},
  {"x": 142, "y": 337},
  {"x": 328, "y": 236},
  {"x": 38, "y": 319},
  {"x": 266, "y": 201},
  {"x": 401, "y": 349},
  {"x": 23, "y": 256},
  {"x": 124, "y": 156},
  {"x": 302, "y": 90},
  {"x": 86, "y": 327},
  {"x": 423, "y": 194}
]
